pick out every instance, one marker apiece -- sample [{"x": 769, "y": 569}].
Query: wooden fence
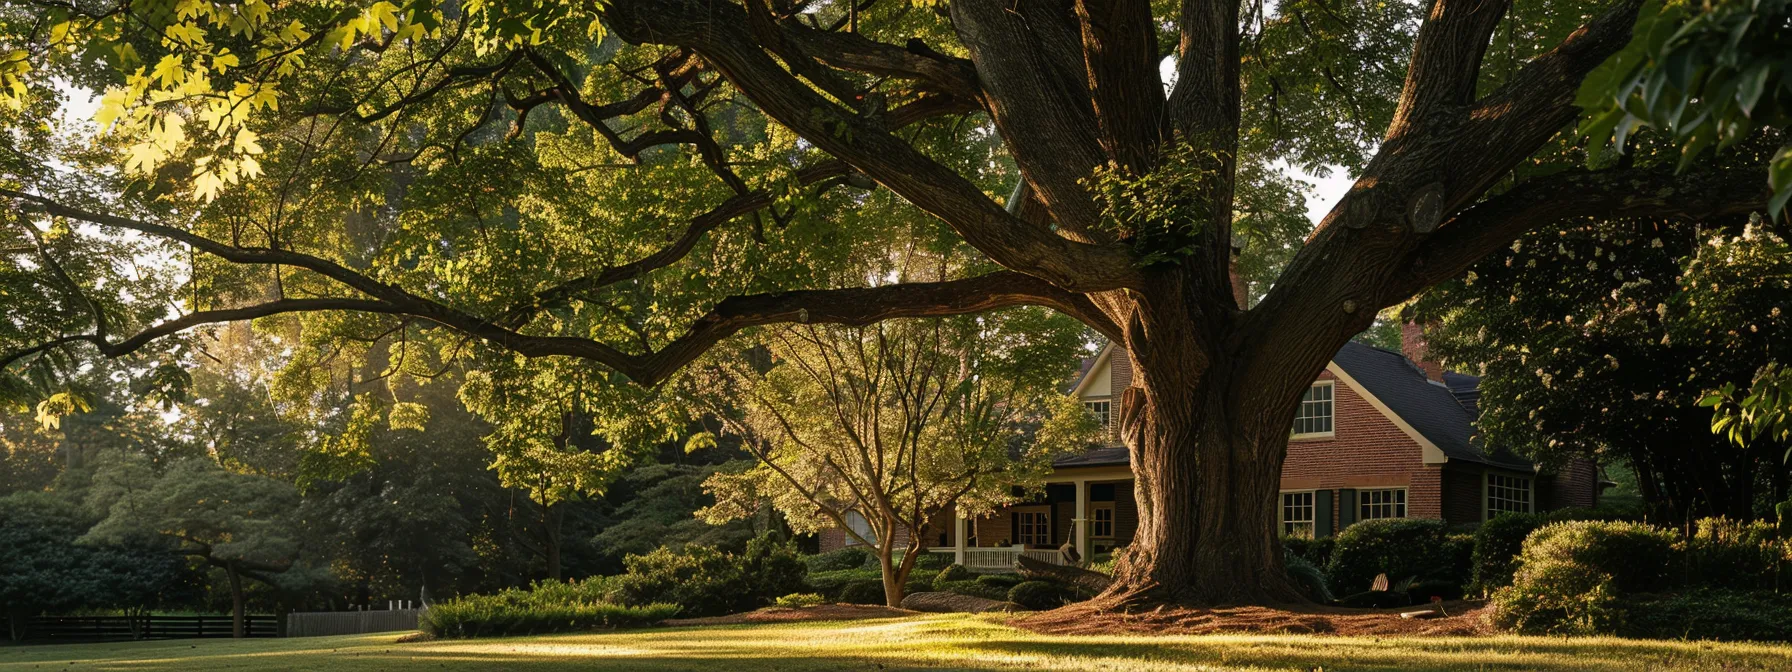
[
  {"x": 122, "y": 628},
  {"x": 320, "y": 623}
]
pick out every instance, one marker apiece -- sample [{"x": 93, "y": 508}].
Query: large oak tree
[{"x": 676, "y": 171}]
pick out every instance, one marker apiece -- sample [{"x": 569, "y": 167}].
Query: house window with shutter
[
  {"x": 1386, "y": 503},
  {"x": 1314, "y": 419},
  {"x": 1297, "y": 514}
]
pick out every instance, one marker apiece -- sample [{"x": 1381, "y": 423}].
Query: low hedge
[
  {"x": 863, "y": 592},
  {"x": 1003, "y": 581},
  {"x": 1401, "y": 548},
  {"x": 1734, "y": 555},
  {"x": 952, "y": 573},
  {"x": 833, "y": 561},
  {"x": 1729, "y": 615},
  {"x": 708, "y": 582},
  {"x": 1041, "y": 595},
  {"x": 830, "y": 583},
  {"x": 1316, "y": 551},
  {"x": 971, "y": 588},
  {"x": 543, "y": 608}
]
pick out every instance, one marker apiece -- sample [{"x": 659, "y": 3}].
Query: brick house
[{"x": 1380, "y": 434}]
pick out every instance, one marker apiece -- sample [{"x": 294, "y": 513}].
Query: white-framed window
[
  {"x": 1033, "y": 528},
  {"x": 1315, "y": 415},
  {"x": 857, "y": 523},
  {"x": 1508, "y": 494},
  {"x": 1298, "y": 514},
  {"x": 1102, "y": 410},
  {"x": 1384, "y": 503},
  {"x": 1101, "y": 520}
]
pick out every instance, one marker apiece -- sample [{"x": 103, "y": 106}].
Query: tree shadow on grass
[{"x": 1370, "y": 653}]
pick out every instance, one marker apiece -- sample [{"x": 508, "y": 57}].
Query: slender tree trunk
[
  {"x": 236, "y": 599},
  {"x": 551, "y": 518}
]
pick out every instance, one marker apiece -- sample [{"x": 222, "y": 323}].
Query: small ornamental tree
[
  {"x": 898, "y": 423},
  {"x": 239, "y": 523}
]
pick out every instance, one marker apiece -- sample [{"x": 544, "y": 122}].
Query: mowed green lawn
[{"x": 932, "y": 642}]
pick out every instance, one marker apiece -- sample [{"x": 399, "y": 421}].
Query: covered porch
[{"x": 1089, "y": 508}]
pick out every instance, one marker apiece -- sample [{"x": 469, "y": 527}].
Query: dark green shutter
[
  {"x": 1014, "y": 528},
  {"x": 1346, "y": 507},
  {"x": 1322, "y": 514}
]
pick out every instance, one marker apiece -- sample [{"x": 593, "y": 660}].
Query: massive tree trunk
[{"x": 1207, "y": 434}]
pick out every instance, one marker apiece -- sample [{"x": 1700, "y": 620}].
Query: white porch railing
[{"x": 1001, "y": 559}]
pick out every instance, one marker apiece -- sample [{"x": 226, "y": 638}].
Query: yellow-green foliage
[{"x": 549, "y": 606}]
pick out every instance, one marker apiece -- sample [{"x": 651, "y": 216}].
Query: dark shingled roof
[
  {"x": 1438, "y": 412},
  {"x": 1444, "y": 414}
]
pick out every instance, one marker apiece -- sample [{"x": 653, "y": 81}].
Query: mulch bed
[
  {"x": 1465, "y": 619},
  {"x": 825, "y": 612}
]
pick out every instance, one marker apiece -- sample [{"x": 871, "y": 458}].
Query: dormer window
[
  {"x": 1314, "y": 419},
  {"x": 1102, "y": 410}
]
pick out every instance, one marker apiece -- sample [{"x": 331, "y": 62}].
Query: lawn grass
[{"x": 931, "y": 642}]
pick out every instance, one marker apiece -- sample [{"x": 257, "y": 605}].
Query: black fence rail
[{"x": 123, "y": 628}]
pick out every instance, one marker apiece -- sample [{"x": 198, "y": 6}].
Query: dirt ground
[
  {"x": 1464, "y": 618},
  {"x": 825, "y": 612}
]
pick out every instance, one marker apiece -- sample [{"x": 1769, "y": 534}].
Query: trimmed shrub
[
  {"x": 952, "y": 573},
  {"x": 829, "y": 584},
  {"x": 543, "y": 608},
  {"x": 708, "y": 582},
  {"x": 1003, "y": 581},
  {"x": 1307, "y": 576},
  {"x": 1316, "y": 551},
  {"x": 1402, "y": 548},
  {"x": 972, "y": 588},
  {"x": 1729, "y": 615},
  {"x": 800, "y": 600},
  {"x": 833, "y": 561},
  {"x": 1496, "y": 546},
  {"x": 1041, "y": 595},
  {"x": 1730, "y": 554},
  {"x": 772, "y": 568},
  {"x": 863, "y": 592},
  {"x": 932, "y": 561},
  {"x": 1571, "y": 576},
  {"x": 1459, "y": 547}
]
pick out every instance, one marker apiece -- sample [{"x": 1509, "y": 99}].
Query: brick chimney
[{"x": 1412, "y": 342}]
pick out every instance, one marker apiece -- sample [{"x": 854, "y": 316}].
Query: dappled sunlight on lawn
[{"x": 930, "y": 642}]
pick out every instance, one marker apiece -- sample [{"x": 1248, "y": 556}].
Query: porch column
[
  {"x": 1081, "y": 521},
  {"x": 957, "y": 538}
]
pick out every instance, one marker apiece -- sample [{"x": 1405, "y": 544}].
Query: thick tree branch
[
  {"x": 1120, "y": 52},
  {"x": 1446, "y": 59},
  {"x": 142, "y": 338},
  {"x": 1030, "y": 67},
  {"x": 1614, "y": 194},
  {"x": 851, "y": 51},
  {"x": 718, "y": 32},
  {"x": 852, "y": 306}
]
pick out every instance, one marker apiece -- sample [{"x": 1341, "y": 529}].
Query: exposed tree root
[{"x": 1127, "y": 613}]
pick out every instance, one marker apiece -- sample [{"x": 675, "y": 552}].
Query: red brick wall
[
  {"x": 1366, "y": 450},
  {"x": 1462, "y": 494},
  {"x": 1576, "y": 485}
]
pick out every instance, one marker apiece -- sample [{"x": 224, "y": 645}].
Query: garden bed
[
  {"x": 823, "y": 612},
  {"x": 1466, "y": 618}
]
